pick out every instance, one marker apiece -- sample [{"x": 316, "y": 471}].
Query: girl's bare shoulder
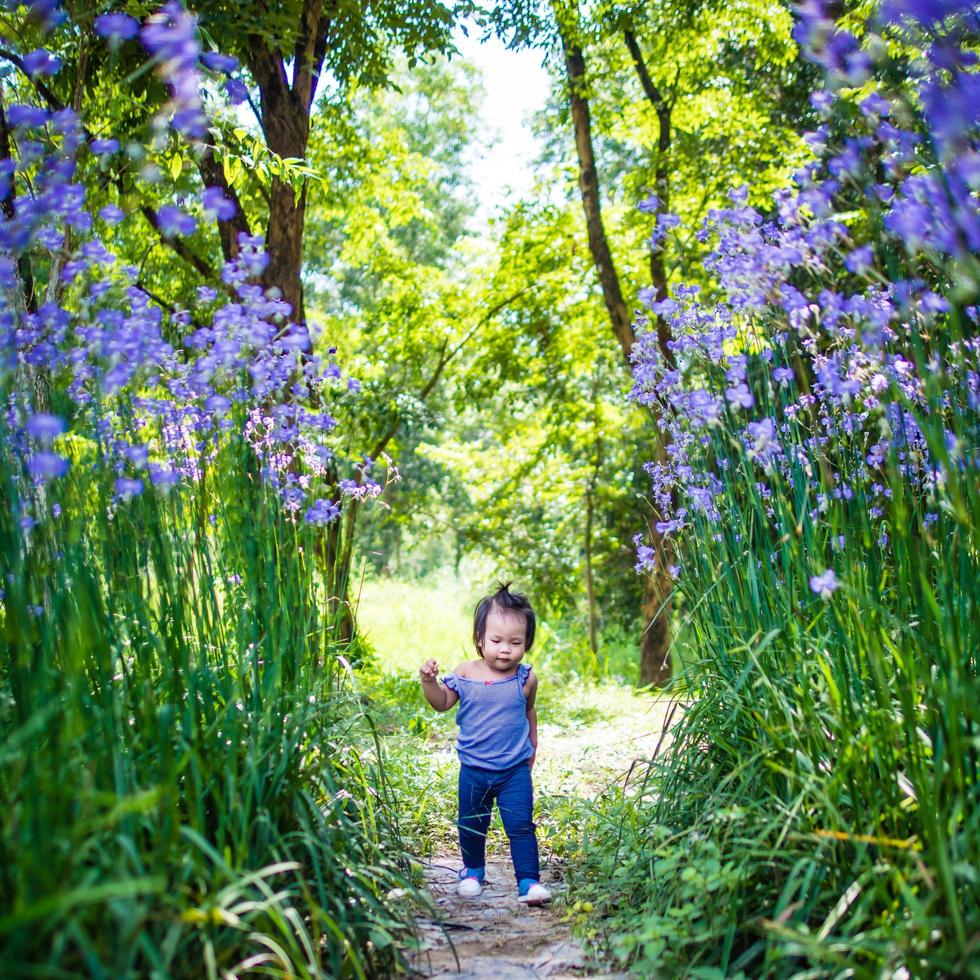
[{"x": 466, "y": 668}]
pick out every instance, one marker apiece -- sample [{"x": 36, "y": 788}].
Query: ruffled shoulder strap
[
  {"x": 523, "y": 672},
  {"x": 452, "y": 681}
]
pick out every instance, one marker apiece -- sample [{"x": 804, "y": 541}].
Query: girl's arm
[
  {"x": 530, "y": 692},
  {"x": 441, "y": 698}
]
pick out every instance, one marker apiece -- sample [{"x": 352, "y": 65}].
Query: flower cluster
[
  {"x": 159, "y": 411},
  {"x": 839, "y": 361}
]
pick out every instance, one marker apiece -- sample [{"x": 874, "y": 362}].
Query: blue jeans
[{"x": 511, "y": 788}]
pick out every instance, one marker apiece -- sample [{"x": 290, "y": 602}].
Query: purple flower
[
  {"x": 293, "y": 498},
  {"x": 650, "y": 204},
  {"x": 322, "y": 512},
  {"x": 191, "y": 122},
  {"x": 860, "y": 259},
  {"x": 45, "y": 427},
  {"x": 926, "y": 12},
  {"x": 47, "y": 465},
  {"x": 215, "y": 61},
  {"x": 112, "y": 214},
  {"x": 646, "y": 557},
  {"x": 824, "y": 584},
  {"x": 236, "y": 91},
  {"x": 875, "y": 106},
  {"x": 127, "y": 488},
  {"x": 162, "y": 477},
  {"x": 175, "y": 222},
  {"x": 138, "y": 455},
  {"x": 26, "y": 116},
  {"x": 665, "y": 307},
  {"x": 45, "y": 13},
  {"x": 41, "y": 63},
  {"x": 782, "y": 376},
  {"x": 763, "y": 441},
  {"x": 216, "y": 203},
  {"x": 740, "y": 396},
  {"x": 933, "y": 303},
  {"x": 104, "y": 147},
  {"x": 822, "y": 101},
  {"x": 171, "y": 36},
  {"x": 350, "y": 488},
  {"x": 218, "y": 404},
  {"x": 117, "y": 26}
]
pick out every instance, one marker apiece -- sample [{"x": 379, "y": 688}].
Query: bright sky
[{"x": 516, "y": 86}]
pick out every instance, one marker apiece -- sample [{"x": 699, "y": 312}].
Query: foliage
[
  {"x": 817, "y": 809},
  {"x": 535, "y": 403}
]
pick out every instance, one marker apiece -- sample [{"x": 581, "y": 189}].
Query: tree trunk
[
  {"x": 589, "y": 577},
  {"x": 655, "y": 644},
  {"x": 285, "y": 120},
  {"x": 213, "y": 175},
  {"x": 661, "y": 186},
  {"x": 285, "y": 123},
  {"x": 655, "y": 667},
  {"x": 588, "y": 182}
]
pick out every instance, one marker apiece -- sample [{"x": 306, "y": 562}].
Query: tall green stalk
[{"x": 181, "y": 786}]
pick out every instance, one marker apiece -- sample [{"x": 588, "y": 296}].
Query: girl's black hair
[{"x": 503, "y": 599}]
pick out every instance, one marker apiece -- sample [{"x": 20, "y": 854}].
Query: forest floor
[{"x": 591, "y": 737}]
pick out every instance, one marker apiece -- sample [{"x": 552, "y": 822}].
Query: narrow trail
[{"x": 494, "y": 937}]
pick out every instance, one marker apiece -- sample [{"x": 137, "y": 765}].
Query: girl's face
[{"x": 503, "y": 646}]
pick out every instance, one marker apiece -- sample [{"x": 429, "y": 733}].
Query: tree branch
[
  {"x": 661, "y": 183},
  {"x": 445, "y": 356},
  {"x": 24, "y": 267},
  {"x": 304, "y": 57},
  {"x": 203, "y": 267},
  {"x": 46, "y": 93},
  {"x": 650, "y": 89},
  {"x": 213, "y": 175}
]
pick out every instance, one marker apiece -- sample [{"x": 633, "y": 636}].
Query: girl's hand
[{"x": 429, "y": 671}]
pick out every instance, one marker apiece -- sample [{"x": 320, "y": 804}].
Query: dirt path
[{"x": 494, "y": 937}]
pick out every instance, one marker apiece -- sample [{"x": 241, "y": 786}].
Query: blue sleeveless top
[{"x": 493, "y": 728}]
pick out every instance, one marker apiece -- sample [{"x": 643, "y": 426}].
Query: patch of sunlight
[{"x": 407, "y": 622}]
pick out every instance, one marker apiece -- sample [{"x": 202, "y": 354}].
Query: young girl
[{"x": 498, "y": 738}]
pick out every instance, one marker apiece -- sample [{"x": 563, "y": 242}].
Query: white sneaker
[
  {"x": 537, "y": 894},
  {"x": 469, "y": 888}
]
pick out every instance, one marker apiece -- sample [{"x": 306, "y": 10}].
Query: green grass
[
  {"x": 189, "y": 786},
  {"x": 405, "y": 623},
  {"x": 818, "y": 812}
]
